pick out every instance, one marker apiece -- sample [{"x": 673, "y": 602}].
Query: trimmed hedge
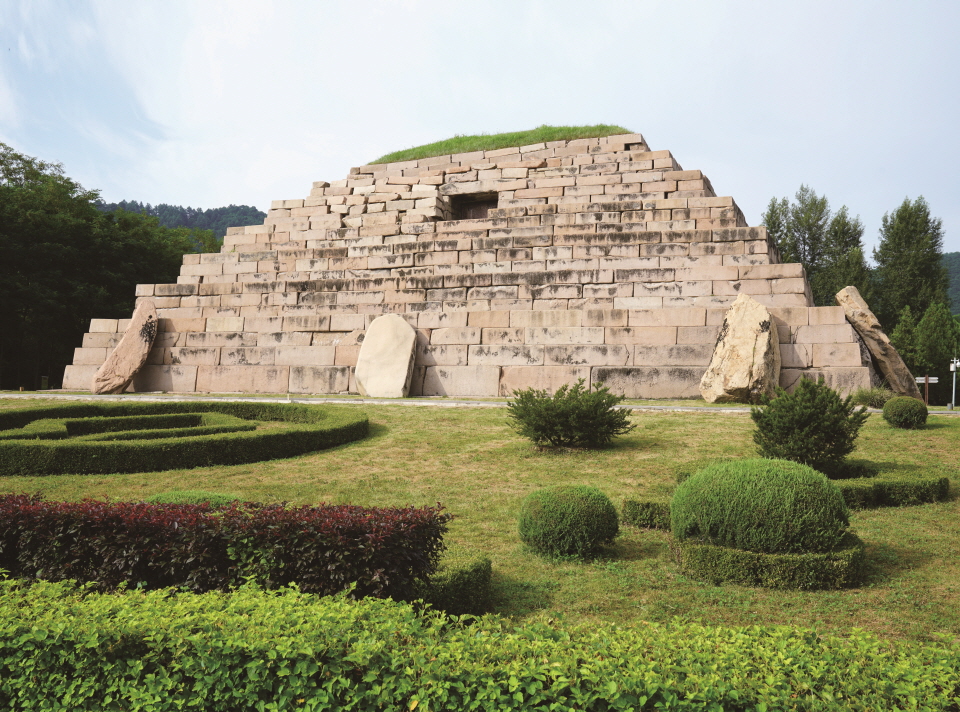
[
  {"x": 857, "y": 493},
  {"x": 880, "y": 492},
  {"x": 63, "y": 649},
  {"x": 841, "y": 568},
  {"x": 323, "y": 549},
  {"x": 769, "y": 506},
  {"x": 310, "y": 428},
  {"x": 89, "y": 426},
  {"x": 460, "y": 585}
]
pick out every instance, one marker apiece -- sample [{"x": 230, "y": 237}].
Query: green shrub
[
  {"x": 887, "y": 492},
  {"x": 812, "y": 425},
  {"x": 572, "y": 417},
  {"x": 904, "y": 412},
  {"x": 461, "y": 583},
  {"x": 214, "y": 499},
  {"x": 63, "y": 648},
  {"x": 873, "y": 397},
  {"x": 307, "y": 428},
  {"x": 568, "y": 520},
  {"x": 765, "y": 506},
  {"x": 841, "y": 568},
  {"x": 646, "y": 514}
]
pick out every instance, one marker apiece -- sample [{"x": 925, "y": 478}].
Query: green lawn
[
  {"x": 491, "y": 142},
  {"x": 469, "y": 460}
]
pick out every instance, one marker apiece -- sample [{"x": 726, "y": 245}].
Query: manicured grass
[
  {"x": 469, "y": 460},
  {"x": 491, "y": 142}
]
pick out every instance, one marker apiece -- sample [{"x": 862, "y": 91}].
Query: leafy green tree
[
  {"x": 909, "y": 270},
  {"x": 951, "y": 262},
  {"x": 62, "y": 261},
  {"x": 904, "y": 339},
  {"x": 209, "y": 225},
  {"x": 828, "y": 245}
]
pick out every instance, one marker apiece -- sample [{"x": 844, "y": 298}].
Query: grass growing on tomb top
[{"x": 491, "y": 142}]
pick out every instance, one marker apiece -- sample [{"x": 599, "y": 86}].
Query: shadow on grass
[
  {"x": 886, "y": 562},
  {"x": 511, "y": 596},
  {"x": 376, "y": 430}
]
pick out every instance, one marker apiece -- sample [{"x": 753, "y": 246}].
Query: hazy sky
[{"x": 204, "y": 103}]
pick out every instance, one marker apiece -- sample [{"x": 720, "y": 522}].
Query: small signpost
[
  {"x": 954, "y": 363},
  {"x": 926, "y": 381}
]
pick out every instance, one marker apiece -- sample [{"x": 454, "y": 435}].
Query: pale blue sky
[{"x": 204, "y": 103}]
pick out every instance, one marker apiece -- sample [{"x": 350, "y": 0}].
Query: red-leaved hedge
[{"x": 385, "y": 551}]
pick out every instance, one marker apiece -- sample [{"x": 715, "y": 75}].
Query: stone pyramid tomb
[{"x": 528, "y": 266}]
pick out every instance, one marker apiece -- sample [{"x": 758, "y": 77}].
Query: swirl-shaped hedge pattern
[{"x": 48, "y": 448}]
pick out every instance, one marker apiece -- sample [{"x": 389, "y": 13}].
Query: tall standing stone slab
[
  {"x": 118, "y": 371},
  {"x": 866, "y": 324},
  {"x": 385, "y": 363},
  {"x": 746, "y": 359}
]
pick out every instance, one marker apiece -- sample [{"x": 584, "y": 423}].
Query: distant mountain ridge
[
  {"x": 951, "y": 260},
  {"x": 216, "y": 219}
]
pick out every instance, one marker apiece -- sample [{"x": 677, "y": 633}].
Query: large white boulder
[
  {"x": 385, "y": 362},
  {"x": 746, "y": 359}
]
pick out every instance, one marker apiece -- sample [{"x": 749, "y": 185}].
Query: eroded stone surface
[
  {"x": 385, "y": 362},
  {"x": 866, "y": 324},
  {"x": 130, "y": 354},
  {"x": 746, "y": 359}
]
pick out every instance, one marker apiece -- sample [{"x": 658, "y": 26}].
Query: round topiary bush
[
  {"x": 568, "y": 520},
  {"x": 766, "y": 506},
  {"x": 904, "y": 412}
]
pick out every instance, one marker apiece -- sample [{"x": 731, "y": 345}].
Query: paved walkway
[{"x": 437, "y": 402}]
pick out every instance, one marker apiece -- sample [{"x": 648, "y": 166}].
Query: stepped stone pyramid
[{"x": 528, "y": 266}]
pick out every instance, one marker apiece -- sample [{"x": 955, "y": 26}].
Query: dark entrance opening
[{"x": 473, "y": 206}]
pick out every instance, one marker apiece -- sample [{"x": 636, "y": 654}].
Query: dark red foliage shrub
[{"x": 323, "y": 549}]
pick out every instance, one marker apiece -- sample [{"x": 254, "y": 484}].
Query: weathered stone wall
[{"x": 602, "y": 260}]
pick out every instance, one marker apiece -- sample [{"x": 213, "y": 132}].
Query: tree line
[
  {"x": 214, "y": 220},
  {"x": 66, "y": 257},
  {"x": 908, "y": 288}
]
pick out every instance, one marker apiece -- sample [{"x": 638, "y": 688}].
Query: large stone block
[
  {"x": 441, "y": 355},
  {"x": 677, "y": 355},
  {"x": 385, "y": 362},
  {"x": 651, "y": 382},
  {"x": 594, "y": 355},
  {"x": 563, "y": 335},
  {"x": 77, "y": 377},
  {"x": 299, "y": 355},
  {"x": 319, "y": 379},
  {"x": 168, "y": 378},
  {"x": 843, "y": 380},
  {"x": 243, "y": 379},
  {"x": 192, "y": 356},
  {"x": 461, "y": 381},
  {"x": 505, "y": 355},
  {"x": 90, "y": 356},
  {"x": 546, "y": 378},
  {"x": 545, "y": 318}
]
